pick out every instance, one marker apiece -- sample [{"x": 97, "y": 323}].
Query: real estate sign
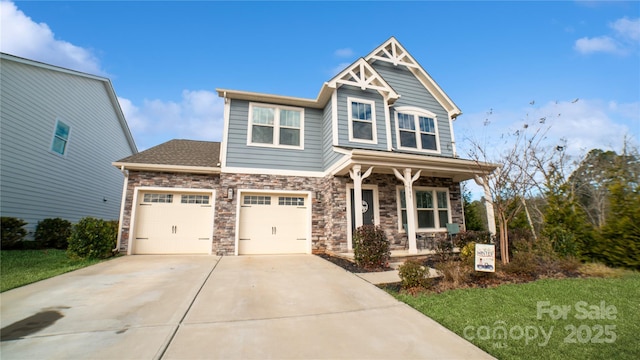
[{"x": 485, "y": 257}]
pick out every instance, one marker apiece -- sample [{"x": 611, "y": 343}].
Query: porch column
[
  {"x": 411, "y": 207},
  {"x": 488, "y": 204},
  {"x": 357, "y": 176}
]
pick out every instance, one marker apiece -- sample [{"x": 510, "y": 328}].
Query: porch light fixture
[
  {"x": 318, "y": 195},
  {"x": 230, "y": 193}
]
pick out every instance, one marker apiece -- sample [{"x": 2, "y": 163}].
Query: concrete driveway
[{"x": 205, "y": 307}]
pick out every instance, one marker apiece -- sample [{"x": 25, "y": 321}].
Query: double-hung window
[
  {"x": 271, "y": 125},
  {"x": 362, "y": 120},
  {"x": 431, "y": 208},
  {"x": 60, "y": 138},
  {"x": 416, "y": 129}
]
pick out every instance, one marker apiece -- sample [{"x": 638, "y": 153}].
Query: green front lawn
[
  {"x": 22, "y": 267},
  {"x": 581, "y": 318}
]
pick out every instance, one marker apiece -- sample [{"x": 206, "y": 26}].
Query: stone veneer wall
[
  {"x": 225, "y": 224},
  {"x": 162, "y": 179},
  {"x": 329, "y": 213}
]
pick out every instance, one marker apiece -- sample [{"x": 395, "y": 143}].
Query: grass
[
  {"x": 22, "y": 267},
  {"x": 479, "y": 315}
]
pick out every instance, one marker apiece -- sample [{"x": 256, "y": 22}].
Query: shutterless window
[
  {"x": 417, "y": 132},
  {"x": 273, "y": 125},
  {"x": 158, "y": 198},
  {"x": 362, "y": 118},
  {"x": 194, "y": 199},
  {"x": 428, "y": 203},
  {"x": 60, "y": 138}
]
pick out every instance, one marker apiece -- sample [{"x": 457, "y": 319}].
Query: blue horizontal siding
[
  {"x": 239, "y": 154},
  {"x": 413, "y": 93}
]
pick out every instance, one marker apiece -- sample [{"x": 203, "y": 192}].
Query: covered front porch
[{"x": 416, "y": 198}]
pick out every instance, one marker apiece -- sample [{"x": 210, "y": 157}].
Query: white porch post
[
  {"x": 357, "y": 176},
  {"x": 411, "y": 207},
  {"x": 488, "y": 204}
]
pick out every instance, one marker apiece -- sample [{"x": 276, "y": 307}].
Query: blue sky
[{"x": 500, "y": 62}]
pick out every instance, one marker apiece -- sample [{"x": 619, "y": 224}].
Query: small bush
[
  {"x": 444, "y": 249},
  {"x": 13, "y": 231},
  {"x": 414, "y": 275},
  {"x": 524, "y": 263},
  {"x": 479, "y": 237},
  {"x": 453, "y": 272},
  {"x": 53, "y": 233},
  {"x": 370, "y": 247},
  {"x": 93, "y": 238},
  {"x": 468, "y": 253}
]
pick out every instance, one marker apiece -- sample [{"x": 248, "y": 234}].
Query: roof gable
[
  {"x": 361, "y": 74},
  {"x": 392, "y": 52}
]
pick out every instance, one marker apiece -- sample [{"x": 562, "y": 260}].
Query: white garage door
[
  {"x": 173, "y": 223},
  {"x": 273, "y": 224}
]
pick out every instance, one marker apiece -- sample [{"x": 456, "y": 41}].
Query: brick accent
[{"x": 329, "y": 213}]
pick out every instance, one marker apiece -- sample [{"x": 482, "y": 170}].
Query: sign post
[{"x": 485, "y": 257}]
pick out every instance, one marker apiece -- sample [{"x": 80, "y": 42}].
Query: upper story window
[
  {"x": 431, "y": 208},
  {"x": 272, "y": 125},
  {"x": 362, "y": 120},
  {"x": 60, "y": 138},
  {"x": 417, "y": 129}
]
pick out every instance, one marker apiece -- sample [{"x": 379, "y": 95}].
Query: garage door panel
[
  {"x": 273, "y": 224},
  {"x": 182, "y": 226}
]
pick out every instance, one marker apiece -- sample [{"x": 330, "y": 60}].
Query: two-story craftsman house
[{"x": 296, "y": 175}]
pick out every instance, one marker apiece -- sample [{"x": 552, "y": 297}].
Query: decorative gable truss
[
  {"x": 392, "y": 52},
  {"x": 361, "y": 74}
]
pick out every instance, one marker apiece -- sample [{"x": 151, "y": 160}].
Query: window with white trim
[
  {"x": 416, "y": 129},
  {"x": 257, "y": 200},
  {"x": 273, "y": 125},
  {"x": 60, "y": 138},
  {"x": 290, "y": 201},
  {"x": 431, "y": 208},
  {"x": 362, "y": 120}
]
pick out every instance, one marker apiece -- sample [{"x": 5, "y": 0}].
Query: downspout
[{"x": 122, "y": 204}]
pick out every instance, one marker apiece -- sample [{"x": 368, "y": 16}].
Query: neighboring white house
[{"x": 60, "y": 131}]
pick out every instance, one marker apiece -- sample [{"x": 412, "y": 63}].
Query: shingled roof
[{"x": 189, "y": 153}]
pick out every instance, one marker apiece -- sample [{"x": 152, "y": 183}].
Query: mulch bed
[{"x": 348, "y": 265}]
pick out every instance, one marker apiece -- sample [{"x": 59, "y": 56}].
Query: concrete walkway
[{"x": 204, "y": 307}]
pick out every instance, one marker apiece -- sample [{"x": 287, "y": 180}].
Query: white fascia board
[
  {"x": 270, "y": 98},
  {"x": 225, "y": 132},
  {"x": 167, "y": 168},
  {"x": 259, "y": 171}
]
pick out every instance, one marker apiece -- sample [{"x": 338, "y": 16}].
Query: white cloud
[
  {"x": 344, "y": 53},
  {"x": 198, "y": 116},
  {"x": 584, "y": 124},
  {"x": 626, "y": 33},
  {"x": 587, "y": 45},
  {"x": 627, "y": 29},
  {"x": 23, "y": 37}
]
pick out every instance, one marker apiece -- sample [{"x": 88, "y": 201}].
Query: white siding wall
[{"x": 37, "y": 183}]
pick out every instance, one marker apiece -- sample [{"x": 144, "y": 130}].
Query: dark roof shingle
[{"x": 180, "y": 153}]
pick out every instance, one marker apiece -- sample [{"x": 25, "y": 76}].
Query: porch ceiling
[{"x": 431, "y": 166}]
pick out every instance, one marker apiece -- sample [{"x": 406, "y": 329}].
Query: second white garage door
[{"x": 273, "y": 224}]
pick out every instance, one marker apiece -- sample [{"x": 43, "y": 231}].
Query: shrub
[
  {"x": 444, "y": 249},
  {"x": 601, "y": 270},
  {"x": 478, "y": 237},
  {"x": 453, "y": 272},
  {"x": 524, "y": 263},
  {"x": 53, "y": 233},
  {"x": 414, "y": 274},
  {"x": 93, "y": 238},
  {"x": 468, "y": 253},
  {"x": 370, "y": 247},
  {"x": 13, "y": 231}
]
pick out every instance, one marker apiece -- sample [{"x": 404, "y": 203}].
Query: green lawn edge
[
  {"x": 479, "y": 315},
  {"x": 23, "y": 267}
]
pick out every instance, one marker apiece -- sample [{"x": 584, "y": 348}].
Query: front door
[{"x": 367, "y": 209}]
